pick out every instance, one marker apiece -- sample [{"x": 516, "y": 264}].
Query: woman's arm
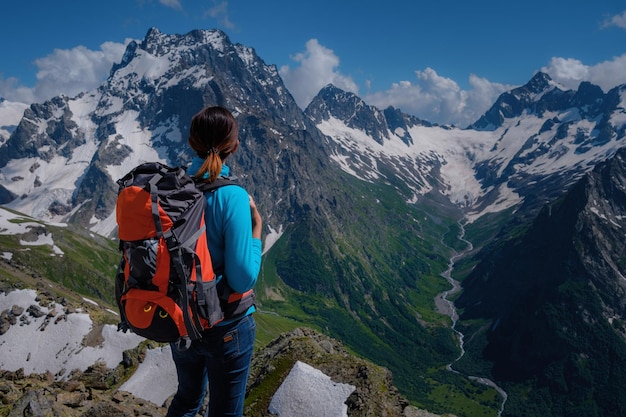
[
  {"x": 242, "y": 240},
  {"x": 257, "y": 223}
]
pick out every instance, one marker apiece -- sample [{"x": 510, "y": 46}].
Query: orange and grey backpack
[{"x": 165, "y": 286}]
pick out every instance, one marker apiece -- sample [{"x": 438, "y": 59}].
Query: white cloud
[
  {"x": 11, "y": 89},
  {"x": 439, "y": 99},
  {"x": 317, "y": 68},
  {"x": 481, "y": 96},
  {"x": 617, "y": 21},
  {"x": 65, "y": 71},
  {"x": 432, "y": 97},
  {"x": 571, "y": 72},
  {"x": 174, "y": 4},
  {"x": 567, "y": 71},
  {"x": 220, "y": 10}
]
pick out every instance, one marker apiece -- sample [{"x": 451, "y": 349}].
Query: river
[{"x": 446, "y": 306}]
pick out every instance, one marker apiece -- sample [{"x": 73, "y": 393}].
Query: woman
[{"x": 222, "y": 358}]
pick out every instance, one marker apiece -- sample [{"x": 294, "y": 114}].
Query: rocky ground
[
  {"x": 374, "y": 396},
  {"x": 93, "y": 393},
  {"x": 87, "y": 394}
]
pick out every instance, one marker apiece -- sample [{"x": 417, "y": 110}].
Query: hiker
[{"x": 222, "y": 357}]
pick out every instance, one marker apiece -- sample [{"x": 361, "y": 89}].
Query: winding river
[{"x": 446, "y": 306}]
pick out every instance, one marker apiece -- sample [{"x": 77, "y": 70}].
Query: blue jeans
[{"x": 221, "y": 361}]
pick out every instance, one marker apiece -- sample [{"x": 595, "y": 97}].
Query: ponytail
[
  {"x": 213, "y": 136},
  {"x": 210, "y": 168}
]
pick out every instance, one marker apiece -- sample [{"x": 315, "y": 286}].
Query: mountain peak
[
  {"x": 539, "y": 83},
  {"x": 349, "y": 108},
  {"x": 512, "y": 104},
  {"x": 335, "y": 97}
]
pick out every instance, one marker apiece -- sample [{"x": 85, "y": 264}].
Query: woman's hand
[{"x": 257, "y": 223}]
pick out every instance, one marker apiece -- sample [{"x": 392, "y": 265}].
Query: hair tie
[{"x": 205, "y": 154}]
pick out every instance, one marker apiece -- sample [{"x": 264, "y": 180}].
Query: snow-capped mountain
[
  {"x": 389, "y": 146},
  {"x": 535, "y": 141},
  {"x": 62, "y": 159}
]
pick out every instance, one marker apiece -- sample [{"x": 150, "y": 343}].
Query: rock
[
  {"x": 104, "y": 410},
  {"x": 71, "y": 399},
  {"x": 35, "y": 311},
  {"x": 5, "y": 325},
  {"x": 41, "y": 396},
  {"x": 374, "y": 396},
  {"x": 16, "y": 310}
]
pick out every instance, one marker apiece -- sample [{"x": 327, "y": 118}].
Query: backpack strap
[
  {"x": 120, "y": 289},
  {"x": 154, "y": 194},
  {"x": 208, "y": 187},
  {"x": 192, "y": 323}
]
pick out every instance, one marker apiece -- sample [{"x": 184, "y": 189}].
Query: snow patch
[
  {"x": 156, "y": 366},
  {"x": 58, "y": 346},
  {"x": 43, "y": 239},
  {"x": 272, "y": 237},
  {"x": 56, "y": 339},
  {"x": 308, "y": 392},
  {"x": 14, "y": 224}
]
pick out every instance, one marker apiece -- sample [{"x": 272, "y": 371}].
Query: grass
[
  {"x": 271, "y": 325},
  {"x": 465, "y": 397}
]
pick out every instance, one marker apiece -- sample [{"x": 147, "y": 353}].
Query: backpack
[{"x": 165, "y": 285}]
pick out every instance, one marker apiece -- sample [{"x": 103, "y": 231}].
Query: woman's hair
[{"x": 213, "y": 136}]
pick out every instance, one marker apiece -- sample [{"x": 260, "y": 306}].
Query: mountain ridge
[
  {"x": 555, "y": 299},
  {"x": 497, "y": 175}
]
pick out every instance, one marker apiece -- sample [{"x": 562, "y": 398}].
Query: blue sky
[{"x": 445, "y": 61}]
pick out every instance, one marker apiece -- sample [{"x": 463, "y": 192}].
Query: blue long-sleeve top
[{"x": 235, "y": 254}]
